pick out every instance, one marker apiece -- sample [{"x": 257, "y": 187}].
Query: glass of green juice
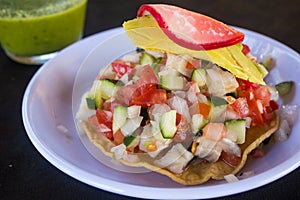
[{"x": 33, "y": 31}]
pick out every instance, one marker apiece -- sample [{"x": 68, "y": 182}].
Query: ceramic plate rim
[{"x": 150, "y": 192}]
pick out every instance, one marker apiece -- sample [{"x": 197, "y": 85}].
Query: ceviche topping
[
  {"x": 187, "y": 112},
  {"x": 150, "y": 101}
]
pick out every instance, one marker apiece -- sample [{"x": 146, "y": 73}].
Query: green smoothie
[{"x": 35, "y": 28}]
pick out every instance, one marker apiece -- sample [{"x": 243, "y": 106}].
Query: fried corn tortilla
[{"x": 196, "y": 172}]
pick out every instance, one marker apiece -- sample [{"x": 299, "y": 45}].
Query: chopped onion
[
  {"x": 131, "y": 157},
  {"x": 230, "y": 147},
  {"x": 202, "y": 98},
  {"x": 156, "y": 110},
  {"x": 220, "y": 82},
  {"x": 168, "y": 72},
  {"x": 248, "y": 122},
  {"x": 132, "y": 57},
  {"x": 131, "y": 125},
  {"x": 204, "y": 147},
  {"x": 179, "y": 62},
  {"x": 214, "y": 82},
  {"x": 181, "y": 106},
  {"x": 283, "y": 132},
  {"x": 151, "y": 134},
  {"x": 231, "y": 114},
  {"x": 230, "y": 178},
  {"x": 133, "y": 111},
  {"x": 214, "y": 155},
  {"x": 289, "y": 113},
  {"x": 175, "y": 159},
  {"x": 118, "y": 151},
  {"x": 192, "y": 92},
  {"x": 124, "y": 79},
  {"x": 181, "y": 94}
]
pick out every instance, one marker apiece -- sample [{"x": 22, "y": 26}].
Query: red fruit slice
[{"x": 190, "y": 29}]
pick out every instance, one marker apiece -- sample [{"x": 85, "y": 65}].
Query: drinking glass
[{"x": 33, "y": 31}]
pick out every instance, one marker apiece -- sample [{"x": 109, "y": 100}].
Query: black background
[{"x": 25, "y": 174}]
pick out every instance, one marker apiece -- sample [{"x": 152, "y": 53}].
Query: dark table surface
[{"x": 25, "y": 174}]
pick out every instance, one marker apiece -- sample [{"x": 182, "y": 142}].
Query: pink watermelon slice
[{"x": 190, "y": 29}]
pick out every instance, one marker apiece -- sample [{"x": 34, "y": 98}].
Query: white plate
[{"x": 48, "y": 119}]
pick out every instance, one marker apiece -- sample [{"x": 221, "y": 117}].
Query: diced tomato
[
  {"x": 240, "y": 105},
  {"x": 150, "y": 97},
  {"x": 190, "y": 66},
  {"x": 147, "y": 76},
  {"x": 272, "y": 107},
  {"x": 263, "y": 93},
  {"x": 247, "y": 85},
  {"x": 142, "y": 89},
  {"x": 102, "y": 128},
  {"x": 256, "y": 116},
  {"x": 268, "y": 110},
  {"x": 178, "y": 118},
  {"x": 253, "y": 93},
  {"x": 204, "y": 109},
  {"x": 109, "y": 105},
  {"x": 126, "y": 93},
  {"x": 118, "y": 137},
  {"x": 104, "y": 117},
  {"x": 230, "y": 159},
  {"x": 120, "y": 67},
  {"x": 246, "y": 49}
]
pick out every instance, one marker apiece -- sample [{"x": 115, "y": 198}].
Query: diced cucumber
[
  {"x": 91, "y": 104},
  {"x": 216, "y": 113},
  {"x": 119, "y": 117},
  {"x": 284, "y": 88},
  {"x": 197, "y": 123},
  {"x": 199, "y": 75},
  {"x": 218, "y": 108},
  {"x": 146, "y": 58},
  {"x": 108, "y": 88},
  {"x": 218, "y": 101},
  {"x": 167, "y": 124},
  {"x": 206, "y": 64},
  {"x": 94, "y": 95},
  {"x": 238, "y": 127},
  {"x": 130, "y": 140},
  {"x": 155, "y": 64},
  {"x": 170, "y": 82}
]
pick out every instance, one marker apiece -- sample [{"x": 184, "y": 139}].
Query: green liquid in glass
[{"x": 35, "y": 27}]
